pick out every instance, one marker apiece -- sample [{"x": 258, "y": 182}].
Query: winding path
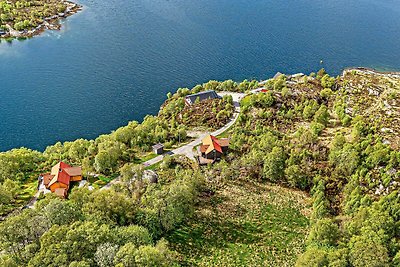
[{"x": 187, "y": 149}]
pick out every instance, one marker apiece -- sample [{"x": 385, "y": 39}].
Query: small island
[{"x": 27, "y": 18}]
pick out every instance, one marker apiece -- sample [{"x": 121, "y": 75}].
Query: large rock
[{"x": 150, "y": 176}]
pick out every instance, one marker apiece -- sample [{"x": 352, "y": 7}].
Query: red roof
[
  {"x": 64, "y": 165},
  {"x": 203, "y": 148},
  {"x": 63, "y": 177},
  {"x": 62, "y": 173},
  {"x": 217, "y": 146},
  {"x": 47, "y": 177},
  {"x": 215, "y": 139}
]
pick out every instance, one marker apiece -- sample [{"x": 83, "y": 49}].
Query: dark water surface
[{"x": 116, "y": 60}]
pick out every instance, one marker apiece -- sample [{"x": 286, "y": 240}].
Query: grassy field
[
  {"x": 23, "y": 195},
  {"x": 245, "y": 224},
  {"x": 26, "y": 192},
  {"x": 144, "y": 158}
]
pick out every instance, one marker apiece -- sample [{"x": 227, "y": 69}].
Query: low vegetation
[
  {"x": 245, "y": 223},
  {"x": 304, "y": 133},
  {"x": 311, "y": 179},
  {"x": 208, "y": 114}
]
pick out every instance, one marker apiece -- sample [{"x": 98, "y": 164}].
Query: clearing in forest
[{"x": 245, "y": 224}]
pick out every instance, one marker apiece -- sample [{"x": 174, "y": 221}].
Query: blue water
[{"x": 116, "y": 60}]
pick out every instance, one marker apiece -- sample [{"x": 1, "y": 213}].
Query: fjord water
[{"x": 116, "y": 60}]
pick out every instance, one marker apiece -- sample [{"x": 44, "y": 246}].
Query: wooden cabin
[
  {"x": 213, "y": 148},
  {"x": 58, "y": 180}
]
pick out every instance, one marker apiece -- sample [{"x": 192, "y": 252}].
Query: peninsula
[{"x": 27, "y": 18}]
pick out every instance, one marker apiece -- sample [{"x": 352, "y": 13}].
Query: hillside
[
  {"x": 245, "y": 223},
  {"x": 311, "y": 178}
]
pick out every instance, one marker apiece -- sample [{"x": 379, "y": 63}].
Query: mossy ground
[
  {"x": 245, "y": 224},
  {"x": 24, "y": 193}
]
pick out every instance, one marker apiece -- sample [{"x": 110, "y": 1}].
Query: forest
[{"x": 311, "y": 179}]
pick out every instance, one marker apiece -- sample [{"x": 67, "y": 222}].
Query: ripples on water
[{"x": 116, "y": 60}]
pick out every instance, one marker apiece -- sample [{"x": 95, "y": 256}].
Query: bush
[
  {"x": 320, "y": 203},
  {"x": 322, "y": 115},
  {"x": 279, "y": 83},
  {"x": 367, "y": 250},
  {"x": 338, "y": 258},
  {"x": 321, "y": 73},
  {"x": 262, "y": 100},
  {"x": 105, "y": 254},
  {"x": 274, "y": 164},
  {"x": 323, "y": 233},
  {"x": 327, "y": 81},
  {"x": 326, "y": 93},
  {"x": 316, "y": 128},
  {"x": 309, "y": 109},
  {"x": 313, "y": 257},
  {"x": 296, "y": 177},
  {"x": 159, "y": 255},
  {"x": 345, "y": 160},
  {"x": 137, "y": 235},
  {"x": 346, "y": 120}
]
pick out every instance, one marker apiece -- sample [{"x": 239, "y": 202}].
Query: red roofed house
[
  {"x": 213, "y": 148},
  {"x": 60, "y": 177}
]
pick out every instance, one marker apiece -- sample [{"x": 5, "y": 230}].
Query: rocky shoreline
[
  {"x": 49, "y": 23},
  {"x": 366, "y": 70}
]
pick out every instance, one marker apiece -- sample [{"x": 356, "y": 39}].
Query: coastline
[
  {"x": 49, "y": 23},
  {"x": 372, "y": 70},
  {"x": 365, "y": 70}
]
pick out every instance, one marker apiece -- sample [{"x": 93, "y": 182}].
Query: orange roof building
[
  {"x": 58, "y": 180},
  {"x": 213, "y": 148}
]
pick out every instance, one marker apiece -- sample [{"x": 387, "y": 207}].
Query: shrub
[
  {"x": 296, "y": 177},
  {"x": 274, "y": 164},
  {"x": 309, "y": 109},
  {"x": 316, "y": 128},
  {"x": 279, "y": 83},
  {"x": 322, "y": 115},
  {"x": 327, "y": 81},
  {"x": 367, "y": 250},
  {"x": 326, "y": 93},
  {"x": 321, "y": 73},
  {"x": 323, "y": 233},
  {"x": 313, "y": 257}
]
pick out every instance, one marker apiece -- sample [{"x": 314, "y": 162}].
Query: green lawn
[
  {"x": 154, "y": 166},
  {"x": 144, "y": 158},
  {"x": 245, "y": 224},
  {"x": 101, "y": 180},
  {"x": 26, "y": 192}
]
